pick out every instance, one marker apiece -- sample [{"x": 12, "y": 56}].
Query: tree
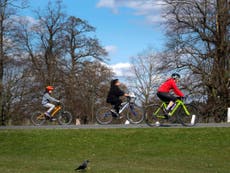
[
  {"x": 199, "y": 37},
  {"x": 147, "y": 71},
  {"x": 82, "y": 51},
  {"x": 57, "y": 50},
  {"x": 50, "y": 31},
  {"x": 91, "y": 89},
  {"x": 8, "y": 9}
]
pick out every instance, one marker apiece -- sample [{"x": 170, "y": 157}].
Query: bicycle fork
[{"x": 188, "y": 113}]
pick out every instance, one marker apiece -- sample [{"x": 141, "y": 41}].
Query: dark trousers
[
  {"x": 166, "y": 97},
  {"x": 116, "y": 102}
]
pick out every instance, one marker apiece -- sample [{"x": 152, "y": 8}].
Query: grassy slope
[{"x": 205, "y": 150}]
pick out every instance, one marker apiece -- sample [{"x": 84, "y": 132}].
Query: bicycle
[
  {"x": 63, "y": 117},
  {"x": 134, "y": 113},
  {"x": 186, "y": 114}
]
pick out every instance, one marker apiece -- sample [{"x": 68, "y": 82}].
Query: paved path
[{"x": 96, "y": 126}]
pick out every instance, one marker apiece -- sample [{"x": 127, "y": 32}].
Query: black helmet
[{"x": 175, "y": 76}]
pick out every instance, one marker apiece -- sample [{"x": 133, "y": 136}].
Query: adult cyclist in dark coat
[{"x": 114, "y": 96}]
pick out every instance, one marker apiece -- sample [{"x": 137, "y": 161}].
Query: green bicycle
[{"x": 186, "y": 114}]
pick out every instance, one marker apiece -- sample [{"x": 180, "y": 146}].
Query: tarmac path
[{"x": 97, "y": 126}]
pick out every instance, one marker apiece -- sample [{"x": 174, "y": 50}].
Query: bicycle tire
[
  {"x": 104, "y": 115},
  {"x": 186, "y": 120},
  {"x": 135, "y": 114},
  {"x": 151, "y": 117},
  {"x": 64, "y": 118},
  {"x": 38, "y": 118}
]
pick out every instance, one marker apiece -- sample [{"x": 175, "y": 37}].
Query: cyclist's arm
[
  {"x": 177, "y": 91},
  {"x": 52, "y": 98}
]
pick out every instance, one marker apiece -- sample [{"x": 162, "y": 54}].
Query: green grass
[{"x": 150, "y": 150}]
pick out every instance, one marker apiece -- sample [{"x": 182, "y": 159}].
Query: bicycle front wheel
[
  {"x": 153, "y": 115},
  {"x": 135, "y": 114},
  {"x": 64, "y": 118},
  {"x": 104, "y": 115},
  {"x": 188, "y": 119},
  {"x": 38, "y": 118}
]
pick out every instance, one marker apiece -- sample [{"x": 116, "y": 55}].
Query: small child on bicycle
[
  {"x": 164, "y": 91},
  {"x": 47, "y": 99},
  {"x": 114, "y": 96}
]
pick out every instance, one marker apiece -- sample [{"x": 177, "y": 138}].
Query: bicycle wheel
[
  {"x": 135, "y": 114},
  {"x": 104, "y": 115},
  {"x": 188, "y": 120},
  {"x": 38, "y": 118},
  {"x": 64, "y": 118},
  {"x": 154, "y": 115}
]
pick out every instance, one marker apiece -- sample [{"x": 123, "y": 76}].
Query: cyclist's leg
[
  {"x": 168, "y": 98},
  {"x": 51, "y": 107},
  {"x": 116, "y": 102}
]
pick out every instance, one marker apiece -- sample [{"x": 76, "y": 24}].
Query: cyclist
[
  {"x": 47, "y": 99},
  {"x": 114, "y": 96},
  {"x": 164, "y": 91}
]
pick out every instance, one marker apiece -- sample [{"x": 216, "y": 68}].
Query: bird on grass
[{"x": 83, "y": 166}]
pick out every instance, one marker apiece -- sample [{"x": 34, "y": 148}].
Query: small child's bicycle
[
  {"x": 186, "y": 114},
  {"x": 133, "y": 112},
  {"x": 62, "y": 117}
]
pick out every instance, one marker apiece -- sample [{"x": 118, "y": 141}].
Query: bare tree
[
  {"x": 199, "y": 37},
  {"x": 147, "y": 71},
  {"x": 50, "y": 31},
  {"x": 92, "y": 88},
  {"x": 8, "y": 9}
]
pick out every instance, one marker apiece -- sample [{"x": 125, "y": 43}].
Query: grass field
[{"x": 150, "y": 150}]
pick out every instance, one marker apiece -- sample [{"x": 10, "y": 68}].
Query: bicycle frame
[
  {"x": 56, "y": 109},
  {"x": 54, "y": 112},
  {"x": 178, "y": 104},
  {"x": 124, "y": 105}
]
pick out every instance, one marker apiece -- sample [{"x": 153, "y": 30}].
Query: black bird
[{"x": 83, "y": 166}]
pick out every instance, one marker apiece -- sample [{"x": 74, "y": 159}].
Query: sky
[{"x": 125, "y": 28}]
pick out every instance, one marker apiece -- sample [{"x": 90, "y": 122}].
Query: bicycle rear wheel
[
  {"x": 188, "y": 120},
  {"x": 38, "y": 118},
  {"x": 153, "y": 114},
  {"x": 104, "y": 115},
  {"x": 135, "y": 114},
  {"x": 64, "y": 118}
]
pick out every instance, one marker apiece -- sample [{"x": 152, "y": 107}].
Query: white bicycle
[{"x": 133, "y": 113}]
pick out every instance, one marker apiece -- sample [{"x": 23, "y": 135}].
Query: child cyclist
[
  {"x": 47, "y": 99},
  {"x": 164, "y": 91}
]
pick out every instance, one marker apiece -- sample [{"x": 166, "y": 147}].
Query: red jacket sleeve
[{"x": 176, "y": 89}]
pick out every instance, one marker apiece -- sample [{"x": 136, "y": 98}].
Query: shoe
[
  {"x": 47, "y": 115},
  {"x": 114, "y": 113},
  {"x": 166, "y": 114}
]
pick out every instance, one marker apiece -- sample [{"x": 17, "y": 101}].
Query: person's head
[
  {"x": 115, "y": 82},
  {"x": 49, "y": 89},
  {"x": 175, "y": 76}
]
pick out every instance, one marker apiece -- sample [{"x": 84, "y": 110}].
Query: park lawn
[{"x": 148, "y": 150}]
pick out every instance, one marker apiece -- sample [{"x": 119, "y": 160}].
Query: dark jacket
[{"x": 114, "y": 93}]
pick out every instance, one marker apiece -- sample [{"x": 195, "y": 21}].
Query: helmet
[
  {"x": 175, "y": 76},
  {"x": 49, "y": 88}
]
